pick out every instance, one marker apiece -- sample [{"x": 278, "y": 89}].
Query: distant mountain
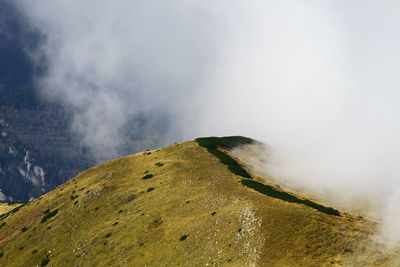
[
  {"x": 189, "y": 204},
  {"x": 37, "y": 150}
]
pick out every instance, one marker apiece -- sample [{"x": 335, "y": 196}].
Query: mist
[{"x": 315, "y": 80}]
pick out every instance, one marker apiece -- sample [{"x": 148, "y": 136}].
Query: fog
[{"x": 315, "y": 80}]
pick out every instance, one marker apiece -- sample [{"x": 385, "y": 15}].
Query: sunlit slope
[
  {"x": 8, "y": 207},
  {"x": 178, "y": 206}
]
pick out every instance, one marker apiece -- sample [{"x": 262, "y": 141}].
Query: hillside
[{"x": 189, "y": 204}]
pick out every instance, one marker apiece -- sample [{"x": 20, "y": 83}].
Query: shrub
[
  {"x": 17, "y": 209},
  {"x": 24, "y": 229},
  {"x": 45, "y": 261},
  {"x": 212, "y": 144},
  {"x": 228, "y": 142},
  {"x": 183, "y": 238},
  {"x": 1, "y": 254},
  {"x": 150, "y": 189},
  {"x": 46, "y": 211},
  {"x": 238, "y": 170},
  {"x": 5, "y": 215},
  {"x": 148, "y": 176},
  {"x": 159, "y": 164},
  {"x": 223, "y": 157},
  {"x": 269, "y": 191},
  {"x": 35, "y": 251},
  {"x": 49, "y": 215}
]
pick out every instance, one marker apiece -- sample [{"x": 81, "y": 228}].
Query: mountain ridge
[{"x": 179, "y": 206}]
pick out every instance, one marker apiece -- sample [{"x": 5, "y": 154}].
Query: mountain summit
[{"x": 189, "y": 204}]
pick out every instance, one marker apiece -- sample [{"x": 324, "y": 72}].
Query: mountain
[
  {"x": 189, "y": 204},
  {"x": 37, "y": 150}
]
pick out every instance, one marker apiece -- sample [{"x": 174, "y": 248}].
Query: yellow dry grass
[
  {"x": 197, "y": 214},
  {"x": 6, "y": 207}
]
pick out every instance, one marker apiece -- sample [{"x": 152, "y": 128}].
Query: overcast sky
[{"x": 316, "y": 80}]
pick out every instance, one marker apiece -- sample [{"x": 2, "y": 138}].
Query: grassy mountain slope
[
  {"x": 179, "y": 206},
  {"x": 8, "y": 207}
]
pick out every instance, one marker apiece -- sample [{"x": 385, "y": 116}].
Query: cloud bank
[{"x": 315, "y": 80}]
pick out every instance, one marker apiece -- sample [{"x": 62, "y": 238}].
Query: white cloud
[{"x": 315, "y": 80}]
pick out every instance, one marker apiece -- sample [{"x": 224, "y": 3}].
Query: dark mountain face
[{"x": 37, "y": 150}]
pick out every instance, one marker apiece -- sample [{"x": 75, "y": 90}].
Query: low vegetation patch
[
  {"x": 147, "y": 176},
  {"x": 212, "y": 144},
  {"x": 238, "y": 170},
  {"x": 223, "y": 157},
  {"x": 49, "y": 215},
  {"x": 45, "y": 261},
  {"x": 269, "y": 191},
  {"x": 5, "y": 215},
  {"x": 228, "y": 142}
]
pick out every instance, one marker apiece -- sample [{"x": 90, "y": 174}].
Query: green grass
[
  {"x": 212, "y": 144},
  {"x": 223, "y": 157},
  {"x": 49, "y": 215},
  {"x": 238, "y": 170},
  {"x": 45, "y": 261},
  {"x": 228, "y": 142},
  {"x": 269, "y": 191},
  {"x": 147, "y": 176}
]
